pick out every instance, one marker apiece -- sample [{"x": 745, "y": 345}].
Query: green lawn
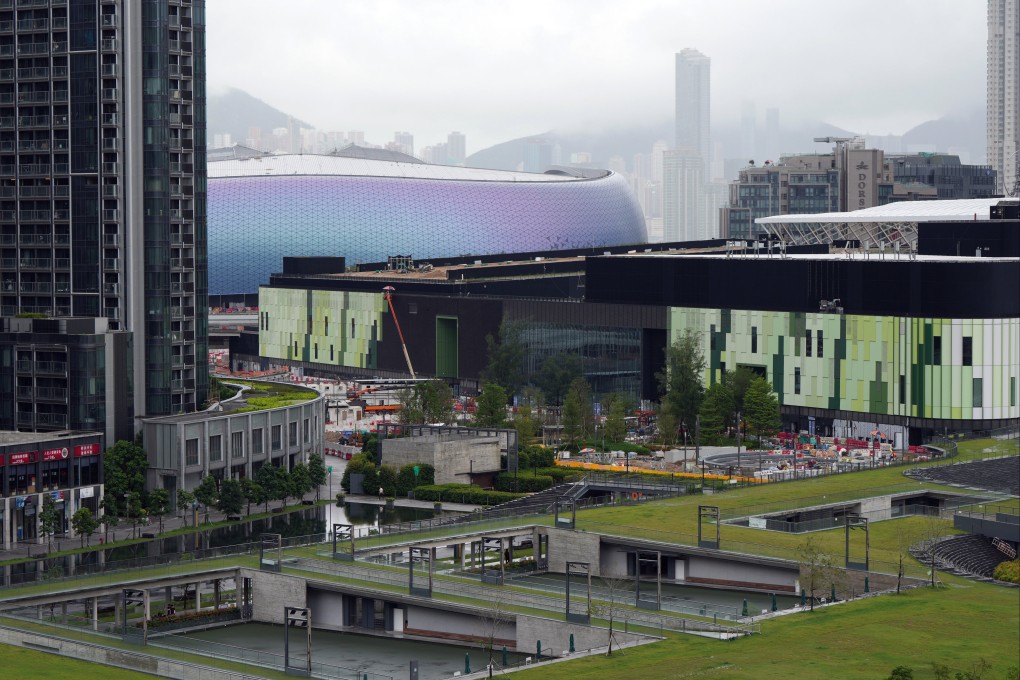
[
  {"x": 27, "y": 664},
  {"x": 957, "y": 625}
]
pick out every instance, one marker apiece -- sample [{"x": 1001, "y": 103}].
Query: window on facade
[
  {"x": 352, "y": 328},
  {"x": 807, "y": 343},
  {"x": 818, "y": 345},
  {"x": 754, "y": 339},
  {"x": 936, "y": 350},
  {"x": 305, "y": 433},
  {"x": 237, "y": 444},
  {"x": 796, "y": 381},
  {"x": 903, "y": 389},
  {"x": 331, "y": 352},
  {"x": 968, "y": 351},
  {"x": 326, "y": 329},
  {"x": 292, "y": 434},
  {"x": 191, "y": 452},
  {"x": 277, "y": 437},
  {"x": 256, "y": 441},
  {"x": 215, "y": 448},
  {"x": 978, "y": 392},
  {"x": 1012, "y": 391},
  {"x": 316, "y": 350},
  {"x": 295, "y": 349}
]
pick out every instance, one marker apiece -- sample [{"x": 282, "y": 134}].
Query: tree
[
  {"x": 49, "y": 519},
  {"x": 252, "y": 492},
  {"x": 717, "y": 409},
  {"x": 109, "y": 508},
  {"x": 231, "y": 497},
  {"x": 84, "y": 524},
  {"x": 124, "y": 467},
  {"x": 370, "y": 448},
  {"x": 681, "y": 379},
  {"x": 614, "y": 599},
  {"x": 426, "y": 402},
  {"x": 495, "y": 619},
  {"x": 205, "y": 493},
  {"x": 556, "y": 374},
  {"x": 491, "y": 403},
  {"x": 317, "y": 472},
  {"x": 266, "y": 478},
  {"x": 934, "y": 528},
  {"x": 901, "y": 673},
  {"x": 573, "y": 418},
  {"x": 283, "y": 487},
  {"x": 388, "y": 478},
  {"x": 616, "y": 408},
  {"x": 184, "y": 501},
  {"x": 739, "y": 381},
  {"x": 159, "y": 505},
  {"x": 506, "y": 358},
  {"x": 300, "y": 481},
  {"x": 761, "y": 409},
  {"x": 666, "y": 425},
  {"x": 524, "y": 423},
  {"x": 135, "y": 511},
  {"x": 817, "y": 569}
]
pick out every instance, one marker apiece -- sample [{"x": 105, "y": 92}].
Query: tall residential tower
[
  {"x": 102, "y": 202},
  {"x": 1003, "y": 107}
]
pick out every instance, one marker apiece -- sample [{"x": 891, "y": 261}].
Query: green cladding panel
[
  {"x": 927, "y": 368},
  {"x": 446, "y": 347}
]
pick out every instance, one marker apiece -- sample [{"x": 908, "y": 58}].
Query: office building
[
  {"x": 456, "y": 148},
  {"x": 102, "y": 181},
  {"x": 851, "y": 178},
  {"x": 1003, "y": 92},
  {"x": 693, "y": 102}
]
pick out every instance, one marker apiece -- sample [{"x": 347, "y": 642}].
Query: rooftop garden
[{"x": 266, "y": 395}]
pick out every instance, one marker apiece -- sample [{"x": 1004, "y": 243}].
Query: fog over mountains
[{"x": 235, "y": 111}]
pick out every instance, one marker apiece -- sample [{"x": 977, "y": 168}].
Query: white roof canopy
[{"x": 904, "y": 211}]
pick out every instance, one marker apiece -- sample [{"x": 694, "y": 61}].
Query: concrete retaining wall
[
  {"x": 555, "y": 635},
  {"x": 573, "y": 546},
  {"x": 272, "y": 592},
  {"x": 714, "y": 571},
  {"x": 455, "y": 625}
]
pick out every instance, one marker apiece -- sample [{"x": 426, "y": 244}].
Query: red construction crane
[{"x": 388, "y": 292}]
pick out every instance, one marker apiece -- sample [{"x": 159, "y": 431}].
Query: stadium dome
[{"x": 264, "y": 208}]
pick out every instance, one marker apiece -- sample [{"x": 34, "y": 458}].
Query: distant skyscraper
[
  {"x": 685, "y": 168},
  {"x": 356, "y": 137},
  {"x": 103, "y": 142},
  {"x": 538, "y": 155},
  {"x": 456, "y": 148},
  {"x": 1003, "y": 106},
  {"x": 404, "y": 142},
  {"x": 683, "y": 201},
  {"x": 693, "y": 94}
]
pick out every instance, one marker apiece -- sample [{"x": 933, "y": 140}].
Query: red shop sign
[
  {"x": 23, "y": 457},
  {"x": 55, "y": 454},
  {"x": 82, "y": 450},
  {"x": 1, "y": 461}
]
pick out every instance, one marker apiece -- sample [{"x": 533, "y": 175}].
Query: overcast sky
[{"x": 496, "y": 70}]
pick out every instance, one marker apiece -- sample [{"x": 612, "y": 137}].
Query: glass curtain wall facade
[
  {"x": 610, "y": 358},
  {"x": 102, "y": 178}
]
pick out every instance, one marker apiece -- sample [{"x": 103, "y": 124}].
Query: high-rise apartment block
[
  {"x": 102, "y": 204},
  {"x": 686, "y": 167},
  {"x": 456, "y": 148},
  {"x": 693, "y": 100},
  {"x": 1003, "y": 106}
]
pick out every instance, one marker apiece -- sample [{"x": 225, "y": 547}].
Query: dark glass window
[
  {"x": 903, "y": 389},
  {"x": 820, "y": 351},
  {"x": 936, "y": 350},
  {"x": 796, "y": 381},
  {"x": 754, "y": 340},
  {"x": 978, "y": 392},
  {"x": 968, "y": 351},
  {"x": 807, "y": 343}
]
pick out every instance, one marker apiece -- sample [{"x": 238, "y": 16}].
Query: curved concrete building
[{"x": 264, "y": 208}]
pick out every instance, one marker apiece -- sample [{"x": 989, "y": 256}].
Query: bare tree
[
  {"x": 933, "y": 529},
  {"x": 614, "y": 600},
  {"x": 494, "y": 620},
  {"x": 817, "y": 569}
]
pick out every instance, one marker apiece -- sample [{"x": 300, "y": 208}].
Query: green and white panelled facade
[
  {"x": 956, "y": 369},
  {"x": 334, "y": 328}
]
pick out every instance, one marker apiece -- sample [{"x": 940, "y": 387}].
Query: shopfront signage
[
  {"x": 55, "y": 454},
  {"x": 19, "y": 502},
  {"x": 57, "y": 496},
  {"x": 87, "y": 492},
  {"x": 82, "y": 450},
  {"x": 1, "y": 461},
  {"x": 23, "y": 457}
]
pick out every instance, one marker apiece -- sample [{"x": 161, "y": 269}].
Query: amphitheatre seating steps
[
  {"x": 996, "y": 474},
  {"x": 969, "y": 555}
]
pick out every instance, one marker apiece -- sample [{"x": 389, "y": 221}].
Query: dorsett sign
[{"x": 862, "y": 180}]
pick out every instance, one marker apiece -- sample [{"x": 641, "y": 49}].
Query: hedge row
[
  {"x": 463, "y": 493},
  {"x": 522, "y": 482}
]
